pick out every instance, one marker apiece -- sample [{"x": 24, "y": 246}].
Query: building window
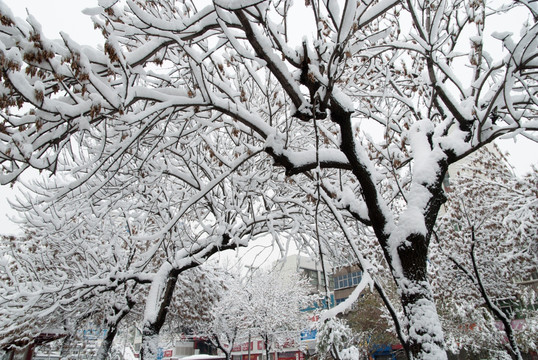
[
  {"x": 312, "y": 276},
  {"x": 338, "y": 301},
  {"x": 347, "y": 280}
]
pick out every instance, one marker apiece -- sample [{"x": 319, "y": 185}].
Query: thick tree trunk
[
  {"x": 159, "y": 298},
  {"x": 162, "y": 289},
  {"x": 104, "y": 349},
  {"x": 113, "y": 322},
  {"x": 425, "y": 338},
  {"x": 408, "y": 262}
]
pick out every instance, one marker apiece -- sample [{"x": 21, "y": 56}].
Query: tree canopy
[
  {"x": 490, "y": 219},
  {"x": 211, "y": 116}
]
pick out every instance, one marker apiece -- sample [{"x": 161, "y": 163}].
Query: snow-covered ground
[{"x": 128, "y": 354}]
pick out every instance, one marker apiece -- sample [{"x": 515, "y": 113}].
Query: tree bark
[
  {"x": 227, "y": 350},
  {"x": 66, "y": 346},
  {"x": 408, "y": 264},
  {"x": 104, "y": 349},
  {"x": 118, "y": 314},
  {"x": 267, "y": 348},
  {"x": 162, "y": 290},
  {"x": 159, "y": 298},
  {"x": 425, "y": 338}
]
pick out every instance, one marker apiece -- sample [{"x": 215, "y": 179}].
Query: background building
[
  {"x": 308, "y": 267},
  {"x": 345, "y": 280}
]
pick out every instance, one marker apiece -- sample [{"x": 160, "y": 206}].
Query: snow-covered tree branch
[{"x": 189, "y": 95}]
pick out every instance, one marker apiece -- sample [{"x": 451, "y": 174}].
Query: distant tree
[
  {"x": 48, "y": 287},
  {"x": 133, "y": 228},
  {"x": 486, "y": 243},
  {"x": 208, "y": 305},
  {"x": 267, "y": 305},
  {"x": 227, "y": 326},
  {"x": 87, "y": 254},
  {"x": 275, "y": 305},
  {"x": 230, "y": 76},
  {"x": 369, "y": 320}
]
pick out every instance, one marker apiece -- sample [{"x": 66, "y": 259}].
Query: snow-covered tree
[
  {"x": 208, "y": 304},
  {"x": 275, "y": 305},
  {"x": 226, "y": 326},
  {"x": 336, "y": 340},
  {"x": 152, "y": 215},
  {"x": 46, "y": 286},
  {"x": 370, "y": 323},
  {"x": 486, "y": 243},
  {"x": 231, "y": 76},
  {"x": 267, "y": 305},
  {"x": 79, "y": 252}
]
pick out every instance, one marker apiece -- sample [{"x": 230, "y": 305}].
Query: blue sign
[
  {"x": 160, "y": 353},
  {"x": 309, "y": 335}
]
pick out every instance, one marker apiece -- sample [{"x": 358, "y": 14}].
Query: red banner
[{"x": 252, "y": 357}]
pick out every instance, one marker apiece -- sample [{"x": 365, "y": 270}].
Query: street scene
[{"x": 269, "y": 179}]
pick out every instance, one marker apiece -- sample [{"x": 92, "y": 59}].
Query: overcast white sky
[{"x": 66, "y": 16}]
